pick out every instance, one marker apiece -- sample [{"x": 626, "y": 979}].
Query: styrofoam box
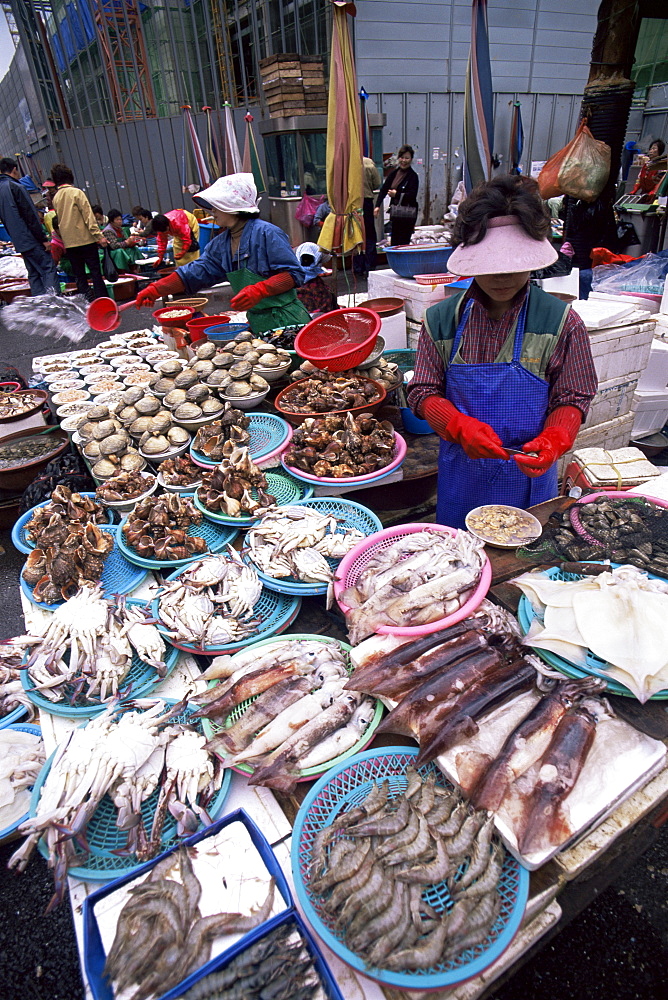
[
  {"x": 615, "y": 433},
  {"x": 639, "y": 301},
  {"x": 651, "y": 411},
  {"x": 655, "y": 375},
  {"x": 413, "y": 329},
  {"x": 417, "y": 297},
  {"x": 613, "y": 399},
  {"x": 621, "y": 349}
]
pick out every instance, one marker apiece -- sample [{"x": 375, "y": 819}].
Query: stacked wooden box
[{"x": 293, "y": 85}]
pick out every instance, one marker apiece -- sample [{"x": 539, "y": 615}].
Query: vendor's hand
[
  {"x": 550, "y": 444},
  {"x": 478, "y": 439},
  {"x": 392, "y": 192},
  {"x": 148, "y": 296},
  {"x": 376, "y": 211},
  {"x": 131, "y": 241},
  {"x": 247, "y": 298},
  {"x": 104, "y": 242}
]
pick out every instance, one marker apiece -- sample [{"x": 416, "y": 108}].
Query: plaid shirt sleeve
[{"x": 429, "y": 377}]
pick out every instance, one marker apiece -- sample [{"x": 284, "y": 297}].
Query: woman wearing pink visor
[{"x": 504, "y": 365}]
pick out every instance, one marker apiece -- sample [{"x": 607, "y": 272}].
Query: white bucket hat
[
  {"x": 233, "y": 193},
  {"x": 506, "y": 248}
]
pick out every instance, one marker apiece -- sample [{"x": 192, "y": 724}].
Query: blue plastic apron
[{"x": 513, "y": 401}]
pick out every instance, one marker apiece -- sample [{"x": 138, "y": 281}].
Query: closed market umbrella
[
  {"x": 195, "y": 172},
  {"x": 212, "y": 147},
  {"x": 251, "y": 161},
  {"x": 516, "y": 139},
  {"x": 478, "y": 102},
  {"x": 232, "y": 154},
  {"x": 344, "y": 228}
]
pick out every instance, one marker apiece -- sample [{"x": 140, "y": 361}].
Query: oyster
[
  {"x": 238, "y": 389},
  {"x": 187, "y": 411},
  {"x": 104, "y": 468},
  {"x": 148, "y": 405},
  {"x": 132, "y": 461},
  {"x": 156, "y": 444},
  {"x": 175, "y": 397},
  {"x": 197, "y": 392},
  {"x": 140, "y": 425},
  {"x": 164, "y": 385},
  {"x": 186, "y": 379},
  {"x": 132, "y": 394},
  {"x": 177, "y": 436},
  {"x": 210, "y": 406},
  {"x": 171, "y": 367},
  {"x": 206, "y": 351},
  {"x": 99, "y": 412},
  {"x": 241, "y": 369},
  {"x": 159, "y": 423},
  {"x": 115, "y": 444}
]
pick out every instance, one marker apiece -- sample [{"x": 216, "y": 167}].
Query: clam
[
  {"x": 187, "y": 411},
  {"x": 98, "y": 412},
  {"x": 132, "y": 461},
  {"x": 186, "y": 379},
  {"x": 164, "y": 385},
  {"x": 240, "y": 349},
  {"x": 104, "y": 428},
  {"x": 258, "y": 383},
  {"x": 210, "y": 406},
  {"x": 104, "y": 468},
  {"x": 223, "y": 360},
  {"x": 260, "y": 345},
  {"x": 197, "y": 392},
  {"x": 140, "y": 425},
  {"x": 171, "y": 367},
  {"x": 241, "y": 369},
  {"x": 269, "y": 361},
  {"x": 238, "y": 389},
  {"x": 85, "y": 430},
  {"x": 206, "y": 350},
  {"x": 177, "y": 435},
  {"x": 115, "y": 444},
  {"x": 244, "y": 337},
  {"x": 218, "y": 378},
  {"x": 203, "y": 368},
  {"x": 160, "y": 422},
  {"x": 132, "y": 394},
  {"x": 128, "y": 414},
  {"x": 175, "y": 397},
  {"x": 148, "y": 405},
  {"x": 156, "y": 444},
  {"x": 92, "y": 449}
]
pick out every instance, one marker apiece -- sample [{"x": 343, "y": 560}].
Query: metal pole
[
  {"x": 184, "y": 39},
  {"x": 135, "y": 65},
  {"x": 104, "y": 28},
  {"x": 200, "y": 70},
  {"x": 298, "y": 34},
  {"x": 42, "y": 28}
]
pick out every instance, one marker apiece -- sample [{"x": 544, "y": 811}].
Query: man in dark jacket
[{"x": 20, "y": 219}]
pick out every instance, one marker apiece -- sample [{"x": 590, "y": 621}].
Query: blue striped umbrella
[
  {"x": 478, "y": 103},
  {"x": 516, "y": 139}
]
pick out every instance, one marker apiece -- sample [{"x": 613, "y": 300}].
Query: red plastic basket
[
  {"x": 180, "y": 321},
  {"x": 201, "y": 323},
  {"x": 298, "y": 418},
  {"x": 339, "y": 340}
]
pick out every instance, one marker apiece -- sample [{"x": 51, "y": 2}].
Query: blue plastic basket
[
  {"x": 268, "y": 432},
  {"x": 118, "y": 575},
  {"x": 308, "y": 773},
  {"x": 217, "y": 536},
  {"x": 103, "y": 836},
  {"x": 13, "y": 716},
  {"x": 276, "y": 611},
  {"x": 347, "y": 785},
  {"x": 140, "y": 681},
  {"x": 225, "y": 331},
  {"x": 21, "y": 541},
  {"x": 13, "y": 827},
  {"x": 93, "y": 949},
  {"x": 595, "y": 666},
  {"x": 409, "y": 261},
  {"x": 350, "y": 515},
  {"x": 280, "y": 484}
]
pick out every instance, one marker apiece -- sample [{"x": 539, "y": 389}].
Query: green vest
[{"x": 545, "y": 321}]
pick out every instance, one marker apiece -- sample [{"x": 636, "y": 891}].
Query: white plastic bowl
[
  {"x": 71, "y": 409},
  {"x": 128, "y": 505},
  {"x": 178, "y": 489},
  {"x": 59, "y": 376},
  {"x": 245, "y": 402},
  {"x": 60, "y": 397},
  {"x": 67, "y": 383},
  {"x": 173, "y": 453},
  {"x": 272, "y": 374}
]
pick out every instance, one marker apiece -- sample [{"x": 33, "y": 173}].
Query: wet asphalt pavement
[{"x": 616, "y": 949}]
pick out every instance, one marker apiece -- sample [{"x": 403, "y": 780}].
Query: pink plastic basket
[
  {"x": 400, "y": 448},
  {"x": 352, "y": 565}
]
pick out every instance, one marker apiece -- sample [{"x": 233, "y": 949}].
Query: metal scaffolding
[{"x": 122, "y": 44}]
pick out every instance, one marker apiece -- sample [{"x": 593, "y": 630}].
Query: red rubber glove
[
  {"x": 171, "y": 284},
  {"x": 556, "y": 438},
  {"x": 477, "y": 439},
  {"x": 252, "y": 294}
]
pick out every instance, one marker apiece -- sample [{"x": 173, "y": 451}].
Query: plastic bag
[
  {"x": 581, "y": 169},
  {"x": 108, "y": 267},
  {"x": 646, "y": 275},
  {"x": 307, "y": 208}
]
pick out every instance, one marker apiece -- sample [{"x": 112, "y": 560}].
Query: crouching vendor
[
  {"x": 254, "y": 256},
  {"x": 503, "y": 365}
]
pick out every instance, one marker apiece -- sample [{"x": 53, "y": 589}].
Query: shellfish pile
[
  {"x": 220, "y": 437},
  {"x": 340, "y": 447},
  {"x": 13, "y": 404},
  {"x": 158, "y": 528},
  {"x": 107, "y": 444},
  {"x": 56, "y": 570},
  {"x": 325, "y": 392},
  {"x": 227, "y": 488},
  {"x": 383, "y": 371},
  {"x": 150, "y": 423},
  {"x": 243, "y": 363},
  {"x": 51, "y": 524},
  {"x": 124, "y": 486},
  {"x": 180, "y": 471},
  {"x": 185, "y": 387}
]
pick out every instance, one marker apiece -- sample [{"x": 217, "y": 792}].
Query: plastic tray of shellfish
[
  {"x": 225, "y": 905},
  {"x": 621, "y": 761}
]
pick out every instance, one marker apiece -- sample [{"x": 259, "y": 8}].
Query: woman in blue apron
[
  {"x": 254, "y": 256},
  {"x": 504, "y": 365}
]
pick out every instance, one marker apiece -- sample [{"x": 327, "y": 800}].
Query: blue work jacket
[{"x": 19, "y": 216}]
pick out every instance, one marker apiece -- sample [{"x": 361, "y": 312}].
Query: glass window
[
  {"x": 314, "y": 159},
  {"x": 282, "y": 164}
]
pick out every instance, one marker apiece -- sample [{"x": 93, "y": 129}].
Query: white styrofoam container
[
  {"x": 651, "y": 411},
  {"x": 615, "y": 433},
  {"x": 393, "y": 331},
  {"x": 621, "y": 349},
  {"x": 598, "y": 314},
  {"x": 613, "y": 398},
  {"x": 413, "y": 333},
  {"x": 417, "y": 298},
  {"x": 638, "y": 301},
  {"x": 655, "y": 376}
]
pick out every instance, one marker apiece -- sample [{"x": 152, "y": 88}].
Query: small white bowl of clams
[{"x": 502, "y": 526}]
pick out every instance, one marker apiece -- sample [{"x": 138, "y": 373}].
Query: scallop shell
[
  {"x": 98, "y": 412},
  {"x": 241, "y": 369},
  {"x": 187, "y": 411},
  {"x": 160, "y": 422},
  {"x": 178, "y": 435},
  {"x": 197, "y": 392},
  {"x": 206, "y": 350},
  {"x": 223, "y": 360},
  {"x": 132, "y": 394},
  {"x": 164, "y": 385},
  {"x": 147, "y": 406},
  {"x": 104, "y": 468},
  {"x": 175, "y": 397},
  {"x": 210, "y": 406},
  {"x": 132, "y": 461},
  {"x": 140, "y": 425},
  {"x": 170, "y": 367},
  {"x": 115, "y": 444},
  {"x": 186, "y": 379},
  {"x": 238, "y": 389}
]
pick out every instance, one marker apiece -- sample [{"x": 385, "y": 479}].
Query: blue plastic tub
[
  {"x": 409, "y": 261},
  {"x": 413, "y": 424},
  {"x": 226, "y": 331}
]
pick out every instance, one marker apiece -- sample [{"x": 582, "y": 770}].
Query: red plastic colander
[{"x": 339, "y": 340}]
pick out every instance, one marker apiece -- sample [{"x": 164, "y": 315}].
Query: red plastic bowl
[
  {"x": 201, "y": 323},
  {"x": 339, "y": 340},
  {"x": 180, "y": 321},
  {"x": 298, "y": 418}
]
